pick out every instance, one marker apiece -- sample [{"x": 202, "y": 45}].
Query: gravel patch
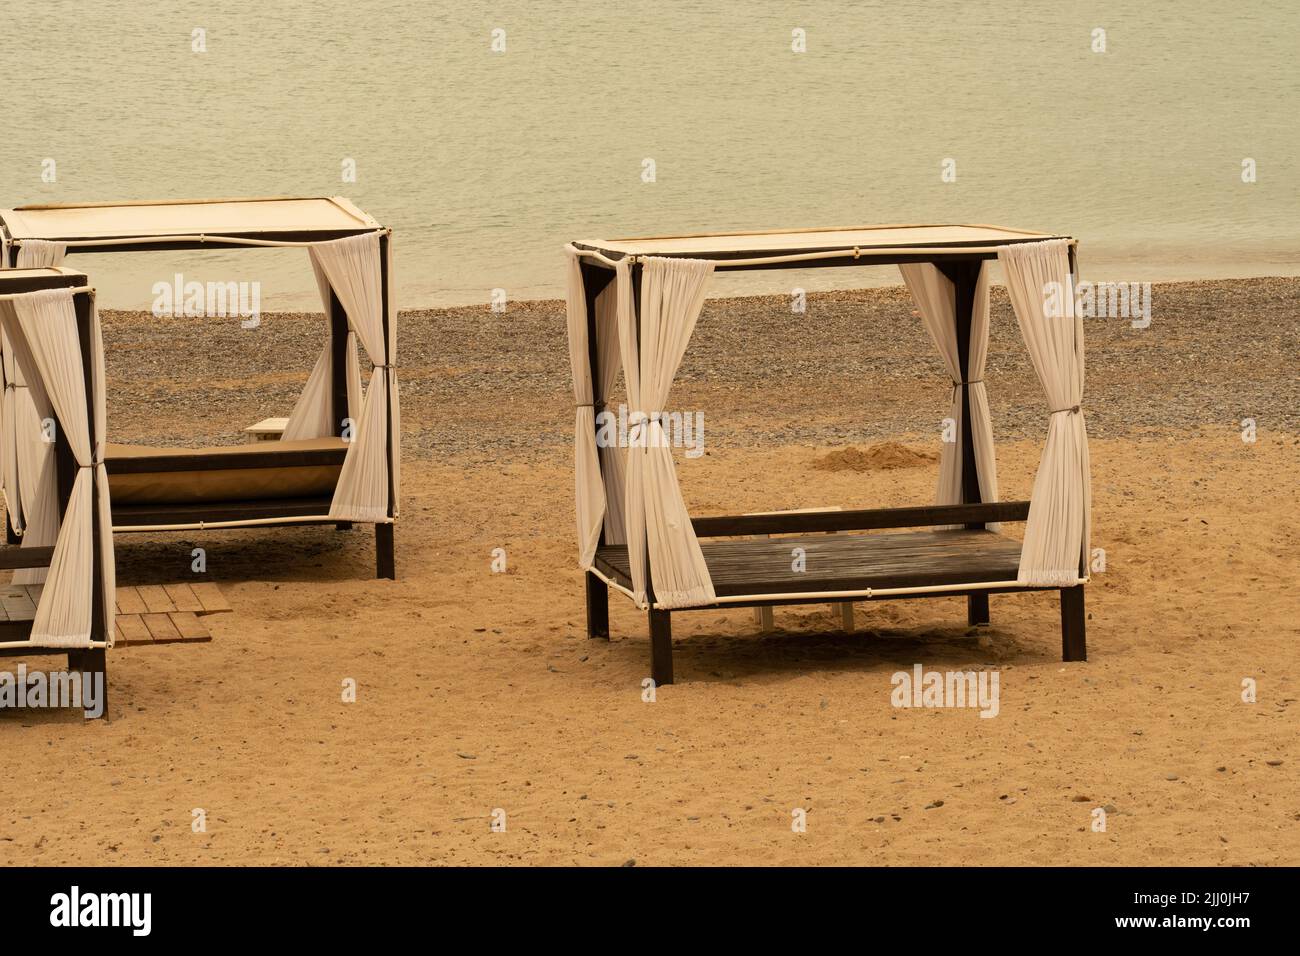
[{"x": 856, "y": 366}]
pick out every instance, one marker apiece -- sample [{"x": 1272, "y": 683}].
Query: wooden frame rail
[
  {"x": 216, "y": 460},
  {"x": 12, "y": 559},
  {"x": 726, "y": 526}
]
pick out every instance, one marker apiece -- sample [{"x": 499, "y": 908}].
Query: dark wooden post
[
  {"x": 338, "y": 326},
  {"x": 661, "y": 624},
  {"x": 594, "y": 282},
  {"x": 385, "y": 533},
  {"x": 1074, "y": 641},
  {"x": 661, "y": 647},
  {"x": 338, "y": 329},
  {"x": 965, "y": 278},
  {"x": 1074, "y": 645}
]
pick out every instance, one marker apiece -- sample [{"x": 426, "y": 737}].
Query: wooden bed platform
[
  {"x": 844, "y": 562},
  {"x": 955, "y": 556}
]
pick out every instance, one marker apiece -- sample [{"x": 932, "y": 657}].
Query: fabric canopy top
[
  {"x": 326, "y": 216},
  {"x": 875, "y": 241}
]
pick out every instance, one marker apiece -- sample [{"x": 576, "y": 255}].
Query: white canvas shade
[
  {"x": 866, "y": 240},
  {"x": 69, "y": 222}
]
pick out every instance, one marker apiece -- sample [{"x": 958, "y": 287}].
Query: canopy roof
[
  {"x": 875, "y": 242},
  {"x": 284, "y": 218}
]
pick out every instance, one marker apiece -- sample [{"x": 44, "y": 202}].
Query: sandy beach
[{"x": 478, "y": 691}]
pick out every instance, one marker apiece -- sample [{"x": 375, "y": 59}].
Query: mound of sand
[{"x": 884, "y": 456}]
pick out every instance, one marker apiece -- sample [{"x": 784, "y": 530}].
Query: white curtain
[
  {"x": 41, "y": 254},
  {"x": 37, "y": 481},
  {"x": 589, "y": 492},
  {"x": 31, "y": 492},
  {"x": 598, "y": 482},
  {"x": 1056, "y": 546},
  {"x": 8, "y": 424},
  {"x": 313, "y": 415},
  {"x": 936, "y": 300},
  {"x": 657, "y": 523},
  {"x": 48, "y": 344},
  {"x": 17, "y": 414},
  {"x": 351, "y": 267}
]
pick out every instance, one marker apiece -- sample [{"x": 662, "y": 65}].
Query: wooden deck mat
[
  {"x": 166, "y": 613},
  {"x": 845, "y": 562},
  {"x": 149, "y": 614}
]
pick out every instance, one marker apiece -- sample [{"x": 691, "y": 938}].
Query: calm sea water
[{"x": 485, "y": 163}]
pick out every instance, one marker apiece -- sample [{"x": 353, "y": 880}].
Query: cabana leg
[
  {"x": 661, "y": 647},
  {"x": 1074, "y": 645},
  {"x": 11, "y": 536},
  {"x": 92, "y": 660},
  {"x": 977, "y": 610},
  {"x": 597, "y": 608},
  {"x": 385, "y": 552}
]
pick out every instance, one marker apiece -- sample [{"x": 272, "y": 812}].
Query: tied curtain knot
[{"x": 1073, "y": 409}]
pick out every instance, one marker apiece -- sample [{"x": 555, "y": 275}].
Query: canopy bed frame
[
  {"x": 632, "y": 305},
  {"x": 49, "y": 319},
  {"x": 338, "y": 460}
]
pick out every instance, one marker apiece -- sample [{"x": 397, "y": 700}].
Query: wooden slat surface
[
  {"x": 211, "y": 597},
  {"x": 16, "y": 604},
  {"x": 183, "y": 597},
  {"x": 846, "y": 562},
  {"x": 129, "y": 601},
  {"x": 155, "y": 599},
  {"x": 161, "y": 627},
  {"x": 189, "y": 627},
  {"x": 131, "y": 630}
]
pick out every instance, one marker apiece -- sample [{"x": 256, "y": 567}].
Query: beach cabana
[
  {"x": 338, "y": 459},
  {"x": 64, "y": 593},
  {"x": 632, "y": 306}
]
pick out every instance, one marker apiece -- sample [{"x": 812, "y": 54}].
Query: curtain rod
[{"x": 238, "y": 523}]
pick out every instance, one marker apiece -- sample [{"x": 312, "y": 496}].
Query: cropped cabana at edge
[
  {"x": 339, "y": 457},
  {"x": 657, "y": 557},
  {"x": 52, "y": 329}
]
